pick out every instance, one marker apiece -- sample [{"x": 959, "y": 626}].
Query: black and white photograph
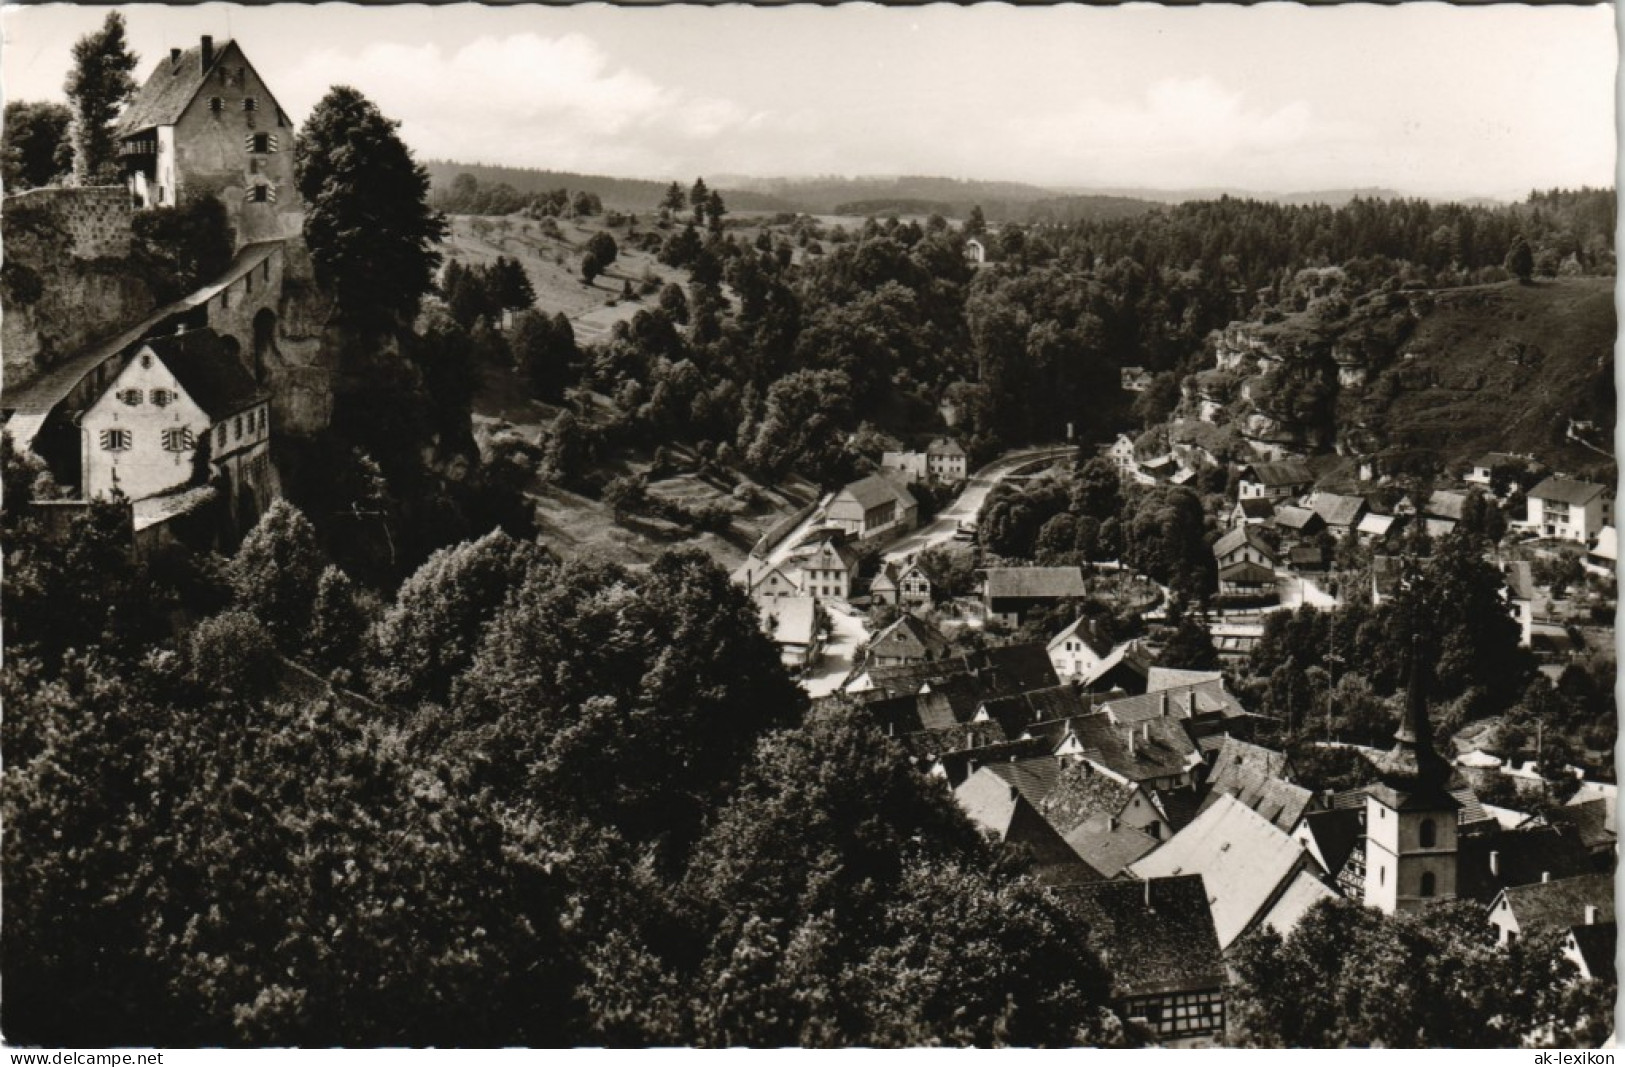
[{"x": 845, "y": 527}]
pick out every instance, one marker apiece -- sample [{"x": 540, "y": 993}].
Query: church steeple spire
[{"x": 1413, "y": 765}]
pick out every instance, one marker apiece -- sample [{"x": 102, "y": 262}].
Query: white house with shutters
[{"x": 182, "y": 410}]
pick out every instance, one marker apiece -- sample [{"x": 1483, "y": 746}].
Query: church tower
[{"x": 1410, "y": 816}]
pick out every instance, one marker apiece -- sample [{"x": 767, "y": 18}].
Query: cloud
[
  {"x": 1193, "y": 129},
  {"x": 524, "y": 99}
]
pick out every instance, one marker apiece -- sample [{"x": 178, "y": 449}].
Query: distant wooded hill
[{"x": 617, "y": 194}]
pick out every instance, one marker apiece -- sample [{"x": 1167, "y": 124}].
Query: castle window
[
  {"x": 1429, "y": 886},
  {"x": 265, "y": 419},
  {"x": 262, "y": 143},
  {"x": 130, "y": 397},
  {"x": 216, "y": 105},
  {"x": 179, "y": 440},
  {"x": 250, "y": 104},
  {"x": 220, "y": 435},
  {"x": 261, "y": 194},
  {"x": 1427, "y": 835},
  {"x": 115, "y": 440},
  {"x": 237, "y": 428},
  {"x": 163, "y": 397}
]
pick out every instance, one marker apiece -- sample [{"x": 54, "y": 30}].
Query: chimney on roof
[
  {"x": 1148, "y": 894},
  {"x": 1111, "y": 824},
  {"x": 1591, "y": 915},
  {"x": 1131, "y": 742},
  {"x": 1146, "y": 733},
  {"x": 174, "y": 56},
  {"x": 1495, "y": 864},
  {"x": 1190, "y": 703},
  {"x": 1545, "y": 876},
  {"x": 208, "y": 51},
  {"x": 1165, "y": 703}
]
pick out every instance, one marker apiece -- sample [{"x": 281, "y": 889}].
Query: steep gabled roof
[
  {"x": 944, "y": 446},
  {"x": 1296, "y": 518},
  {"x": 1243, "y": 535},
  {"x": 909, "y": 636},
  {"x": 961, "y": 737},
  {"x": 1129, "y": 655},
  {"x": 1338, "y": 510},
  {"x": 1445, "y": 504},
  {"x": 988, "y": 673},
  {"x": 1256, "y": 507},
  {"x": 1591, "y": 821},
  {"x": 1156, "y": 936},
  {"x": 1034, "y": 778},
  {"x": 1597, "y": 944},
  {"x": 1245, "y": 862},
  {"x": 1236, "y": 761},
  {"x": 1281, "y": 802},
  {"x": 1150, "y": 749},
  {"x": 211, "y": 376},
  {"x": 1567, "y": 491},
  {"x": 1336, "y": 834},
  {"x": 174, "y": 84},
  {"x": 1082, "y": 792},
  {"x": 877, "y": 489},
  {"x": 1082, "y": 628},
  {"x": 1036, "y": 705},
  {"x": 1036, "y": 583},
  {"x": 1108, "y": 847},
  {"x": 1562, "y": 902},
  {"x": 1285, "y": 473},
  {"x": 1209, "y": 697},
  {"x": 1303, "y": 893}
]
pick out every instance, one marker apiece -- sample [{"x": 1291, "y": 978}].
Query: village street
[
  {"x": 968, "y": 504},
  {"x": 847, "y": 632}
]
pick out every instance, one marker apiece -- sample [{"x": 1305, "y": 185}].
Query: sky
[{"x": 1429, "y": 99}]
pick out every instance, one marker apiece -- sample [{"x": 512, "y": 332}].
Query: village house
[
  {"x": 205, "y": 124},
  {"x": 1245, "y": 544},
  {"x": 1442, "y": 510},
  {"x": 826, "y": 569},
  {"x": 1123, "y": 670},
  {"x": 1604, "y": 555},
  {"x": 1520, "y": 595},
  {"x": 181, "y": 411},
  {"x": 1257, "y": 777},
  {"x": 1009, "y": 593},
  {"x": 871, "y": 507},
  {"x": 792, "y": 623},
  {"x": 1553, "y": 906},
  {"x": 1001, "y": 798},
  {"x": 1284, "y": 480},
  {"x": 946, "y": 461},
  {"x": 913, "y": 587},
  {"x": 1247, "y": 865},
  {"x": 908, "y": 640},
  {"x": 1252, "y": 511},
  {"x": 1483, "y": 469},
  {"x": 764, "y": 580},
  {"x": 1159, "y": 939},
  {"x": 907, "y": 465},
  {"x": 1340, "y": 513},
  {"x": 1078, "y": 649},
  {"x": 1121, "y": 454},
  {"x": 979, "y": 250},
  {"x": 1569, "y": 510}
]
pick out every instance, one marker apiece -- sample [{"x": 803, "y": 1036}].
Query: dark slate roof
[
  {"x": 1470, "y": 813},
  {"x": 1168, "y": 751},
  {"x": 875, "y": 490},
  {"x": 1156, "y": 936},
  {"x": 1561, "y": 903},
  {"x": 212, "y": 377},
  {"x": 1589, "y": 822},
  {"x": 1035, "y": 583},
  {"x": 1338, "y": 510},
  {"x": 1082, "y": 792},
  {"x": 1235, "y": 760},
  {"x": 957, "y": 766},
  {"x": 1524, "y": 857},
  {"x": 1027, "y": 829},
  {"x": 1337, "y": 834},
  {"x": 168, "y": 90},
  {"x": 1243, "y": 535},
  {"x": 1567, "y": 491},
  {"x": 1307, "y": 557},
  {"x": 909, "y": 636},
  {"x": 944, "y": 446},
  {"x": 1247, "y": 572},
  {"x": 1445, "y": 504},
  {"x": 1021, "y": 710},
  {"x": 1255, "y": 507},
  {"x": 1210, "y": 697},
  {"x": 1282, "y": 803},
  {"x": 1034, "y": 778},
  {"x": 1597, "y": 945},
  {"x": 1287, "y": 472},
  {"x": 995, "y": 671},
  {"x": 929, "y": 744},
  {"x": 1296, "y": 518},
  {"x": 1106, "y": 847},
  {"x": 1180, "y": 805}
]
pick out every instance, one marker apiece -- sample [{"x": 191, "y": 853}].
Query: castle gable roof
[
  {"x": 172, "y": 86},
  {"x": 211, "y": 376}
]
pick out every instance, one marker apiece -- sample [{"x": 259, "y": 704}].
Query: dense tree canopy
[
  {"x": 368, "y": 224},
  {"x": 98, "y": 84},
  {"x": 35, "y": 148}
]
